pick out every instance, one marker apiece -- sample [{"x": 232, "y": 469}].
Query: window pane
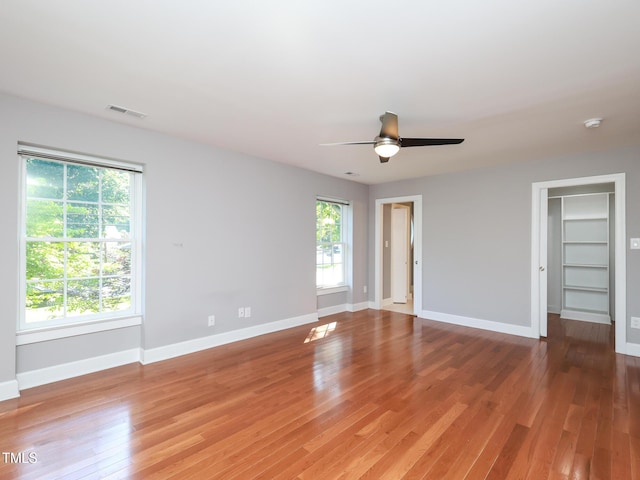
[
  {"x": 116, "y": 186},
  {"x": 45, "y": 260},
  {"x": 116, "y": 294},
  {"x": 45, "y": 218},
  {"x": 116, "y": 221},
  {"x": 83, "y": 259},
  {"x": 44, "y": 301},
  {"x": 83, "y": 297},
  {"x": 82, "y": 220},
  {"x": 330, "y": 269},
  {"x": 45, "y": 179},
  {"x": 83, "y": 183},
  {"x": 83, "y": 265},
  {"x": 116, "y": 258}
]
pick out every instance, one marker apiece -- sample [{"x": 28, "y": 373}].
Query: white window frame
[
  {"x": 66, "y": 327},
  {"x": 346, "y": 218}
]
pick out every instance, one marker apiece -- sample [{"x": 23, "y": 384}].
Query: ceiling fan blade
[
  {"x": 346, "y": 143},
  {"x": 423, "y": 142},
  {"x": 383, "y": 159},
  {"x": 389, "y": 125}
]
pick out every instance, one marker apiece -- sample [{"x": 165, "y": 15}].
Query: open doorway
[
  {"x": 398, "y": 269},
  {"x": 540, "y": 253}
]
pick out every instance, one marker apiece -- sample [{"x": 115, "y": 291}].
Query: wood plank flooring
[{"x": 373, "y": 394}]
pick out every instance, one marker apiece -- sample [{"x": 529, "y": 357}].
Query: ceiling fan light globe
[{"x": 386, "y": 149}]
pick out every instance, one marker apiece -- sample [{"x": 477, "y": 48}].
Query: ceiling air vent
[{"x": 126, "y": 111}]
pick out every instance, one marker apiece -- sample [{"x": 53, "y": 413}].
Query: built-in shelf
[{"x": 585, "y": 257}]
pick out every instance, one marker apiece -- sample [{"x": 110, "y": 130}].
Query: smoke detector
[{"x": 593, "y": 122}]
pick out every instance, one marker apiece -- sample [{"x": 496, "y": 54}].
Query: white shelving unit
[{"x": 585, "y": 257}]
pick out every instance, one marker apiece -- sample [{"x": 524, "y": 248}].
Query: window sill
[
  {"x": 26, "y": 337},
  {"x": 330, "y": 290}
]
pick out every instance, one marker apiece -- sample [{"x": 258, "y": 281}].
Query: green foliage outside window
[
  {"x": 78, "y": 240},
  {"x": 329, "y": 244}
]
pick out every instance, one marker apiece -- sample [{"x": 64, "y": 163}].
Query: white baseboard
[
  {"x": 479, "y": 323},
  {"x": 554, "y": 309},
  {"x": 191, "y": 346},
  {"x": 356, "y": 307},
  {"x": 9, "y": 390},
  {"x": 34, "y": 378},
  {"x": 632, "y": 349},
  {"x": 387, "y": 301},
  {"x": 345, "y": 307},
  {"x": 586, "y": 316},
  {"x": 323, "y": 312}
]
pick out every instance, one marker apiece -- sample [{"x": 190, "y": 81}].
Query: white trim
[
  {"x": 9, "y": 390},
  {"x": 602, "y": 318},
  {"x": 191, "y": 346},
  {"x": 28, "y": 150},
  {"x": 417, "y": 250},
  {"x": 34, "y": 378},
  {"x": 632, "y": 349},
  {"x": 356, "y": 307},
  {"x": 332, "y": 310},
  {"x": 331, "y": 290},
  {"x": 539, "y": 194},
  {"x": 519, "y": 330},
  {"x": 345, "y": 307},
  {"x": 387, "y": 301},
  {"x": 26, "y": 337}
]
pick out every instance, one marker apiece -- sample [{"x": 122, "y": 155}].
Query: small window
[
  {"x": 330, "y": 244},
  {"x": 80, "y": 244}
]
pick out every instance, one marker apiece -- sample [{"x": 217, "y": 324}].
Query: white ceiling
[{"x": 274, "y": 79}]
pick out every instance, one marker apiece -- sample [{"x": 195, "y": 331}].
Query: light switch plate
[{"x": 635, "y": 244}]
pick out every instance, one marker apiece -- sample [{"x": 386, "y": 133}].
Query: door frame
[
  {"x": 539, "y": 214},
  {"x": 417, "y": 250}
]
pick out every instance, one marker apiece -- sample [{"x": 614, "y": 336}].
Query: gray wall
[
  {"x": 246, "y": 227},
  {"x": 247, "y": 230},
  {"x": 477, "y": 233}
]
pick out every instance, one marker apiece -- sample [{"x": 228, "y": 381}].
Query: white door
[{"x": 399, "y": 253}]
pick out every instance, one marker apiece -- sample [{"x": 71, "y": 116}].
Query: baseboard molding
[
  {"x": 356, "y": 307},
  {"x": 479, "y": 323},
  {"x": 191, "y": 346},
  {"x": 9, "y": 390},
  {"x": 323, "y": 312},
  {"x": 632, "y": 349},
  {"x": 345, "y": 307},
  {"x": 554, "y": 309},
  {"x": 387, "y": 301},
  {"x": 34, "y": 378},
  {"x": 586, "y": 316}
]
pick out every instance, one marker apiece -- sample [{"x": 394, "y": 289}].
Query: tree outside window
[
  {"x": 78, "y": 243},
  {"x": 330, "y": 244}
]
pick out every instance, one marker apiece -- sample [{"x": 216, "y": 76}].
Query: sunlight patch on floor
[{"x": 320, "y": 332}]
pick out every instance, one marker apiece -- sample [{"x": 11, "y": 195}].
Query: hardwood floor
[{"x": 374, "y": 395}]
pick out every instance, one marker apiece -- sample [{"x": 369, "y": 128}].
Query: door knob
[{"x": 542, "y": 269}]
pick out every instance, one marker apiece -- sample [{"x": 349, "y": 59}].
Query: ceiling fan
[{"x": 388, "y": 143}]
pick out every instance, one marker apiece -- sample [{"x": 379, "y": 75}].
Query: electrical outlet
[
  {"x": 241, "y": 312},
  {"x": 635, "y": 322},
  {"x": 247, "y": 312},
  {"x": 364, "y": 289},
  {"x": 211, "y": 320}
]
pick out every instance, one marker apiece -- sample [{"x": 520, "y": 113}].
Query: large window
[
  {"x": 80, "y": 249},
  {"x": 330, "y": 244}
]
